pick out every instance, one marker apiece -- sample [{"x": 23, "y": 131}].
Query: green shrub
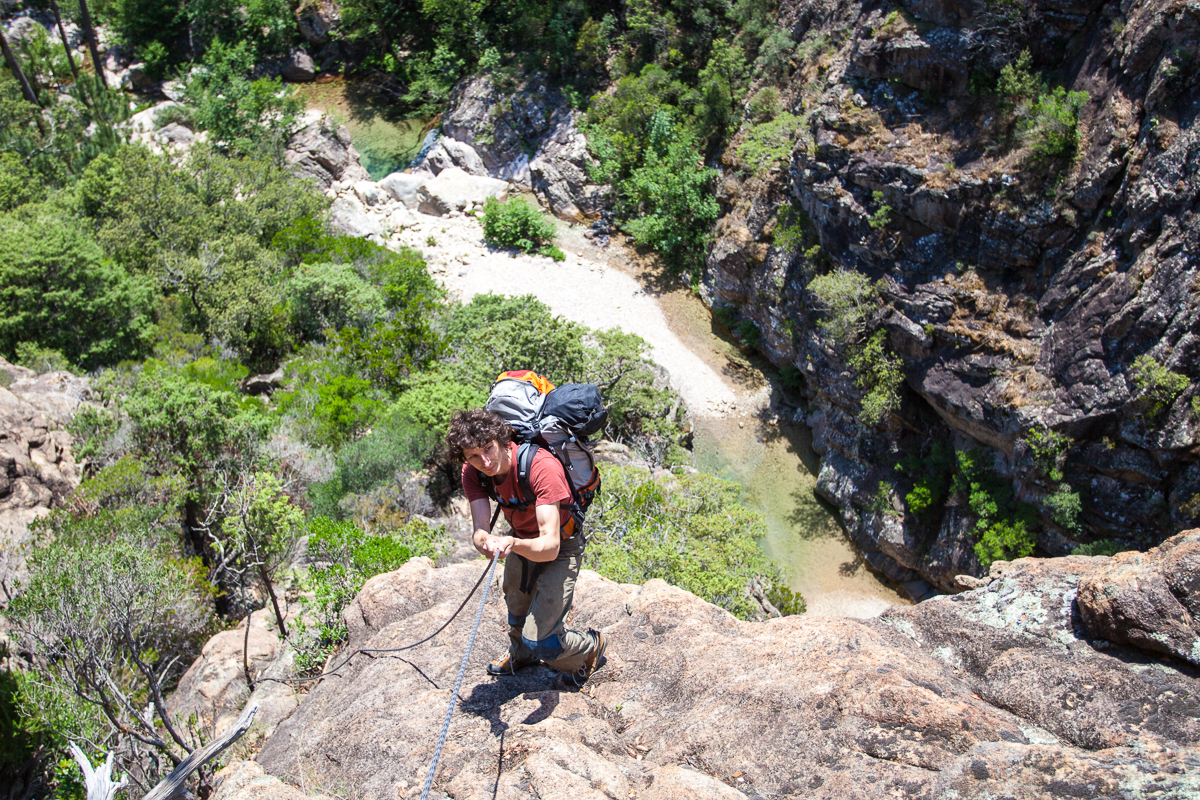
[
  {"x": 849, "y": 298},
  {"x": 765, "y": 104},
  {"x": 1003, "y": 540},
  {"x": 1046, "y": 117},
  {"x": 1049, "y": 449},
  {"x": 1065, "y": 506},
  {"x": 1101, "y": 547},
  {"x": 768, "y": 143},
  {"x": 1159, "y": 386},
  {"x": 879, "y": 374},
  {"x": 516, "y": 224},
  {"x": 58, "y": 293},
  {"x": 883, "y": 213},
  {"x": 344, "y": 558},
  {"x": 18, "y": 183},
  {"x": 324, "y": 297},
  {"x": 1002, "y": 523},
  {"x": 688, "y": 530}
]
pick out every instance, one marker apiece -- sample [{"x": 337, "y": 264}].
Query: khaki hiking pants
[{"x": 539, "y": 596}]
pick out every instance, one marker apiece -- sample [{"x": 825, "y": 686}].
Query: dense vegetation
[{"x": 171, "y": 279}]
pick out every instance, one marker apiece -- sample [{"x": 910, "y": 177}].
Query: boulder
[
  {"x": 323, "y": 151},
  {"x": 991, "y": 693},
  {"x": 214, "y": 687},
  {"x": 447, "y": 152},
  {"x": 315, "y": 19},
  {"x": 348, "y": 215},
  {"x": 246, "y": 780},
  {"x": 368, "y": 193},
  {"x": 298, "y": 67},
  {"x": 175, "y": 135},
  {"x": 1148, "y": 600},
  {"x": 528, "y": 136},
  {"x": 453, "y": 189},
  {"x": 402, "y": 187}
]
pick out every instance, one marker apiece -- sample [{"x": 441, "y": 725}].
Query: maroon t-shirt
[{"x": 547, "y": 479}]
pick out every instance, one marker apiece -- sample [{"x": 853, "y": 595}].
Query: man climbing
[{"x": 539, "y": 580}]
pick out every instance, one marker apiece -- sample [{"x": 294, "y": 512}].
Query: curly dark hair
[{"x": 476, "y": 427}]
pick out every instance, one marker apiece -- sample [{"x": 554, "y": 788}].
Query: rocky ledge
[{"x": 1017, "y": 688}]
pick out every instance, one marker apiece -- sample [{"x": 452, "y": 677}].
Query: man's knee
[
  {"x": 516, "y": 620},
  {"x": 547, "y": 649}
]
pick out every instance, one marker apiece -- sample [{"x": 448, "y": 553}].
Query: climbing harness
[{"x": 437, "y": 752}]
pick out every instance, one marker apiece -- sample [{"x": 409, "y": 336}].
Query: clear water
[{"x": 385, "y": 141}]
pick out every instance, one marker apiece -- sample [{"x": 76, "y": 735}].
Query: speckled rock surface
[{"x": 997, "y": 692}]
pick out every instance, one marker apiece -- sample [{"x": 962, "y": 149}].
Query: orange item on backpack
[{"x": 529, "y": 376}]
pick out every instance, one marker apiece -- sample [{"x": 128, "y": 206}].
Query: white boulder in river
[{"x": 453, "y": 189}]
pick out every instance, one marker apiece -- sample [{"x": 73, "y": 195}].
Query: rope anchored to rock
[{"x": 371, "y": 650}]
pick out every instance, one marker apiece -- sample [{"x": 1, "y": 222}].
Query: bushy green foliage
[
  {"x": 326, "y": 403},
  {"x": 1158, "y": 385},
  {"x": 269, "y": 26},
  {"x": 879, "y": 374},
  {"x": 433, "y": 399},
  {"x": 1048, "y": 448},
  {"x": 328, "y": 297},
  {"x": 849, "y": 298},
  {"x": 1002, "y": 523},
  {"x": 18, "y": 184},
  {"x": 1046, "y": 117},
  {"x": 344, "y": 558},
  {"x": 765, "y": 104},
  {"x": 1065, "y": 506},
  {"x": 1100, "y": 547},
  {"x": 59, "y": 292},
  {"x": 241, "y": 115},
  {"x": 686, "y": 529},
  {"x": 516, "y": 224},
  {"x": 670, "y": 194},
  {"x": 768, "y": 143},
  {"x": 882, "y": 215}
]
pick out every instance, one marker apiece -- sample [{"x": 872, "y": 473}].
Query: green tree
[
  {"x": 688, "y": 530},
  {"x": 241, "y": 115},
  {"x": 850, "y": 299},
  {"x": 1158, "y": 385},
  {"x": 671, "y": 197},
  {"x": 722, "y": 85},
  {"x": 58, "y": 291},
  {"x": 323, "y": 297},
  {"x": 112, "y": 619}
]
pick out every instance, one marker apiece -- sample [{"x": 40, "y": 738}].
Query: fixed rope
[
  {"x": 372, "y": 650},
  {"x": 437, "y": 752}
]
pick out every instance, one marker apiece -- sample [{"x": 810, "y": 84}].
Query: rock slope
[
  {"x": 37, "y": 470},
  {"x": 1001, "y": 691},
  {"x": 1018, "y": 290}
]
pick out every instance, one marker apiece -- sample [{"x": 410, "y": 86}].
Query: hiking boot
[
  {"x": 507, "y": 665},
  {"x": 572, "y": 681},
  {"x": 595, "y": 658}
]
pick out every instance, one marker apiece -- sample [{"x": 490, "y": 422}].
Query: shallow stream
[{"x": 774, "y": 462}]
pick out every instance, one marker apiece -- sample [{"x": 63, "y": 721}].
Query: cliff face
[
  {"x": 1018, "y": 290},
  {"x": 1003, "y": 691}
]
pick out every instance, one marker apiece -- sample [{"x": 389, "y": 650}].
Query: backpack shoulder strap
[{"x": 525, "y": 454}]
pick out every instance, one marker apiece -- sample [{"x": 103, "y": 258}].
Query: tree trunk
[
  {"x": 66, "y": 45},
  {"x": 266, "y": 579},
  {"x": 15, "y": 67},
  {"x": 90, "y": 34}
]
